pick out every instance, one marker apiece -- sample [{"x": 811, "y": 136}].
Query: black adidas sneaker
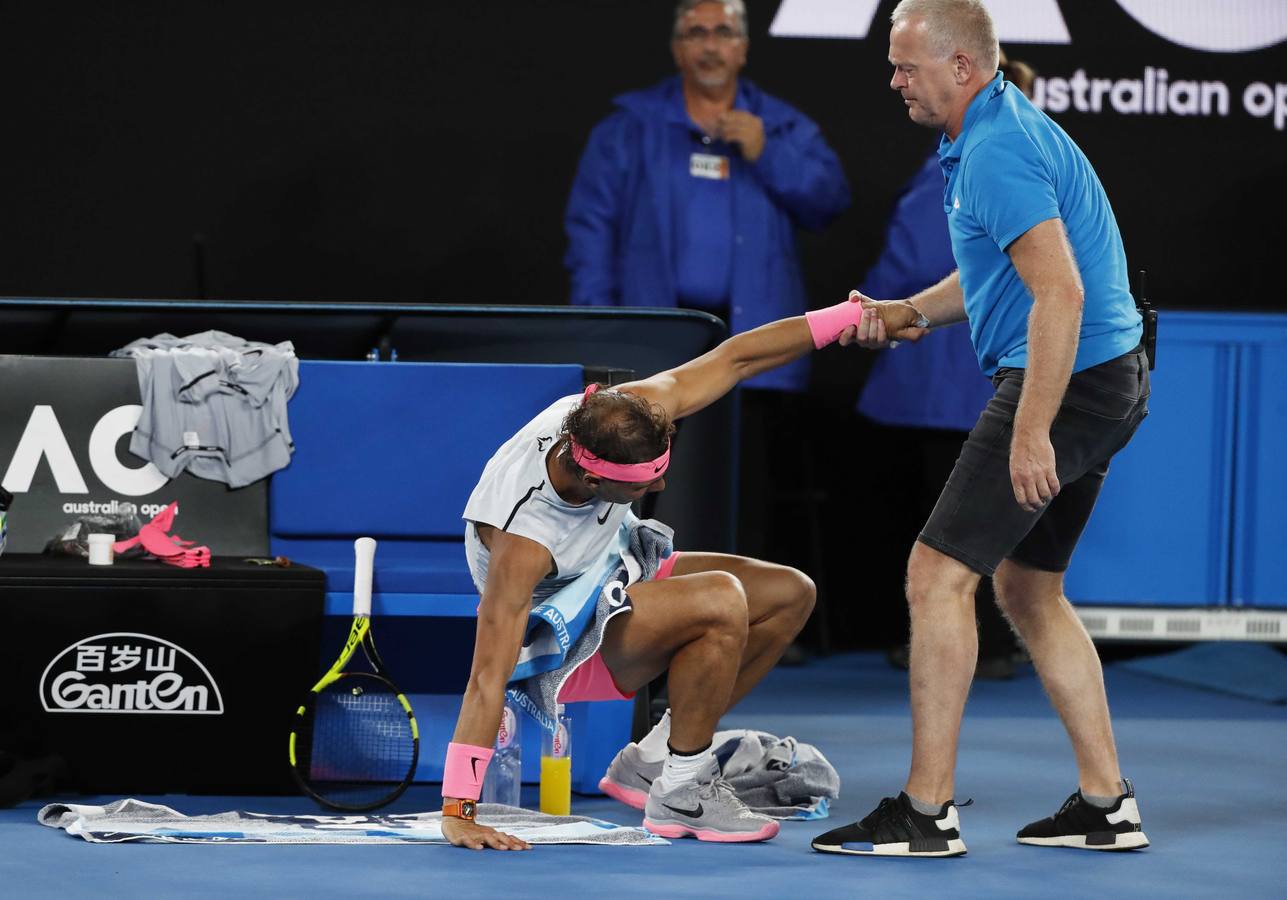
[
  {"x": 1079, "y": 824},
  {"x": 895, "y": 828}
]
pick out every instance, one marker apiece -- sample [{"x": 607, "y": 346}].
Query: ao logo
[
  {"x": 616, "y": 593},
  {"x": 43, "y": 436},
  {"x": 1231, "y": 26}
]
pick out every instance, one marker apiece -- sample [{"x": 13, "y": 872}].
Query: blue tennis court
[{"x": 1208, "y": 768}]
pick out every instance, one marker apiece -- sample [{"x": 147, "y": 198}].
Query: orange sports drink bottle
[{"x": 556, "y": 768}]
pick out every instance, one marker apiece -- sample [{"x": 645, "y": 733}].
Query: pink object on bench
[{"x": 169, "y": 548}]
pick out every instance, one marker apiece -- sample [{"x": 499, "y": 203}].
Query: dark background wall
[
  {"x": 413, "y": 151},
  {"x": 419, "y": 151}
]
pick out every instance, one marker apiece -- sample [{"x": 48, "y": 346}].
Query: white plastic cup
[{"x": 100, "y": 549}]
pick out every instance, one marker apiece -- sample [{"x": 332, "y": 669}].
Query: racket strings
[{"x": 362, "y": 748}]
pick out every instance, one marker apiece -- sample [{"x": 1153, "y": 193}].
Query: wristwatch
[
  {"x": 459, "y": 809},
  {"x": 921, "y": 322}
]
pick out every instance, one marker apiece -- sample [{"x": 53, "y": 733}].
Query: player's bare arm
[
  {"x": 698, "y": 383},
  {"x": 942, "y": 303},
  {"x": 1045, "y": 262},
  {"x": 517, "y": 564}
]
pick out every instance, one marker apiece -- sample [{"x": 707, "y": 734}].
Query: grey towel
[
  {"x": 213, "y": 405},
  {"x": 778, "y": 777}
]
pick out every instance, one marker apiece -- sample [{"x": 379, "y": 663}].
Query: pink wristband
[
  {"x": 826, "y": 324},
  {"x": 462, "y": 774}
]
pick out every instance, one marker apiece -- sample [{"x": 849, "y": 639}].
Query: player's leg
[
  {"x": 1068, "y": 665},
  {"x": 974, "y": 525},
  {"x": 944, "y": 652},
  {"x": 922, "y": 819},
  {"x": 692, "y": 626},
  {"x": 1103, "y": 813},
  {"x": 977, "y": 524},
  {"x": 779, "y": 600},
  {"x": 695, "y": 627},
  {"x": 1101, "y": 410}
]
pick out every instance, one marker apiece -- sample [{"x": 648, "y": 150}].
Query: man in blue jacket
[{"x": 690, "y": 192}]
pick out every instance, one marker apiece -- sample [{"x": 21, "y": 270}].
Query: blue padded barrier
[
  {"x": 392, "y": 450},
  {"x": 1159, "y": 535},
  {"x": 1259, "y": 565},
  {"x": 1192, "y": 511}
]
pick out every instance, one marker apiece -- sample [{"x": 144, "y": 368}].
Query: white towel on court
[{"x": 135, "y": 820}]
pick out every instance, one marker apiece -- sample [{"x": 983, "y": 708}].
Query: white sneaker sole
[
  {"x": 629, "y": 796},
  {"x": 955, "y": 847},
  {"x": 676, "y": 830},
  {"x": 1131, "y": 840}
]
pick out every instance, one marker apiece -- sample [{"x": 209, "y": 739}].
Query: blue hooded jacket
[
  {"x": 619, "y": 219},
  {"x": 935, "y": 382}
]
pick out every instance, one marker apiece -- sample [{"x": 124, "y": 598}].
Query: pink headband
[{"x": 628, "y": 472}]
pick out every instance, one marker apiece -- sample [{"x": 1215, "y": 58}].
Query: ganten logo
[{"x": 125, "y": 672}]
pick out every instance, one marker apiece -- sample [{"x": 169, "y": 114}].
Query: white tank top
[{"x": 514, "y": 494}]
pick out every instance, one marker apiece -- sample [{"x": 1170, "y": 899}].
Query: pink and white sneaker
[
  {"x": 705, "y": 808},
  {"x": 630, "y": 777}
]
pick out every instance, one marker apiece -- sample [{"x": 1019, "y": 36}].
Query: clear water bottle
[
  {"x": 6, "y": 500},
  {"x": 556, "y": 768},
  {"x": 503, "y": 782}
]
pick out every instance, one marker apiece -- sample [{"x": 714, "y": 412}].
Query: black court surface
[{"x": 1209, "y": 771}]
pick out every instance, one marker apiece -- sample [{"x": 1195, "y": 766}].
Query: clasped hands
[{"x": 884, "y": 323}]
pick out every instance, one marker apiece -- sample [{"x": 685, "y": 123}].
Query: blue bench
[{"x": 392, "y": 450}]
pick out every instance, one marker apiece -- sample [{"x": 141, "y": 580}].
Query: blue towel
[{"x": 566, "y": 628}]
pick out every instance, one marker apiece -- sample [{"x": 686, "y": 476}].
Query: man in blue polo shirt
[{"x": 1041, "y": 277}]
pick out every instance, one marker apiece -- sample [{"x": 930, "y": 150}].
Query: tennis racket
[{"x": 355, "y": 742}]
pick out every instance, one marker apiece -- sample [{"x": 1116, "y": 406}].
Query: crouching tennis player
[{"x": 583, "y": 601}]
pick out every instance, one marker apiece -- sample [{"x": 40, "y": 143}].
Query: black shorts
[{"x": 978, "y": 521}]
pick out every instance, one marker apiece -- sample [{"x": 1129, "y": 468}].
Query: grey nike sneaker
[
  {"x": 630, "y": 777},
  {"x": 705, "y": 808}
]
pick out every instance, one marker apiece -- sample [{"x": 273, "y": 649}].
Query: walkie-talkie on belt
[{"x": 1150, "y": 325}]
